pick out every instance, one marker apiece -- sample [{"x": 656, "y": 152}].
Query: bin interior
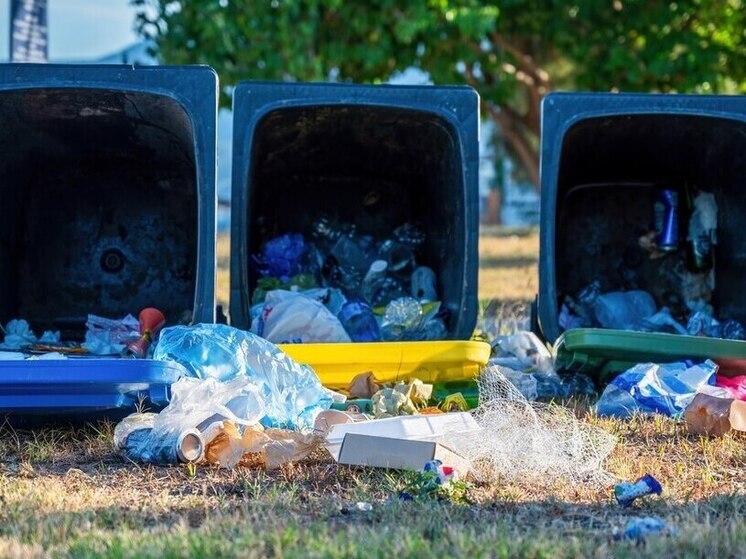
[
  {"x": 371, "y": 166},
  {"x": 99, "y": 206},
  {"x": 610, "y": 171}
]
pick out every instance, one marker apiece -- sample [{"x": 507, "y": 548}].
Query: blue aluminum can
[{"x": 666, "y": 211}]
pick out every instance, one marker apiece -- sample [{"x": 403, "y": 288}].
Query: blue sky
[{"x": 80, "y": 29}]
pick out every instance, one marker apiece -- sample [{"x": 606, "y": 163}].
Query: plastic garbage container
[
  {"x": 605, "y": 160},
  {"x": 108, "y": 193},
  {"x": 372, "y": 156}
]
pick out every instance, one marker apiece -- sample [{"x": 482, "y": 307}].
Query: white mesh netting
[{"x": 530, "y": 440}]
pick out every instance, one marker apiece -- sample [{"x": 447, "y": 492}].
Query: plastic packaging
[
  {"x": 291, "y": 393},
  {"x": 400, "y": 258},
  {"x": 735, "y": 386},
  {"x": 291, "y": 317},
  {"x": 175, "y": 434},
  {"x": 106, "y": 336},
  {"x": 282, "y": 257},
  {"x": 525, "y": 383},
  {"x": 523, "y": 351},
  {"x": 357, "y": 318},
  {"x": 662, "y": 320},
  {"x": 424, "y": 284},
  {"x": 401, "y": 315},
  {"x": 702, "y": 232},
  {"x": 624, "y": 310},
  {"x": 348, "y": 252},
  {"x": 626, "y": 493},
  {"x": 714, "y": 416},
  {"x": 655, "y": 388},
  {"x": 18, "y": 333},
  {"x": 641, "y": 528}
]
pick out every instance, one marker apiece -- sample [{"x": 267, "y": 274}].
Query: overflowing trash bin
[
  {"x": 354, "y": 212},
  {"x": 642, "y": 211},
  {"x": 108, "y": 210}
]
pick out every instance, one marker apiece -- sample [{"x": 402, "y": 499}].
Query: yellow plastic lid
[{"x": 446, "y": 361}]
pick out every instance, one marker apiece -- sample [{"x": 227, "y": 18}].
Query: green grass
[
  {"x": 65, "y": 493},
  {"x": 79, "y": 499}
]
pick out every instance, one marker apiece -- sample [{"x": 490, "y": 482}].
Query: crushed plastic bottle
[
  {"x": 358, "y": 320},
  {"x": 402, "y": 315},
  {"x": 384, "y": 290},
  {"x": 400, "y": 258}
]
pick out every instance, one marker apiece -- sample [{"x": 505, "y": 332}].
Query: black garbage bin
[
  {"x": 605, "y": 160},
  {"x": 108, "y": 193},
  {"x": 372, "y": 156}
]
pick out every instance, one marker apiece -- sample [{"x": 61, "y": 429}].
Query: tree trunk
[
  {"x": 494, "y": 207},
  {"x": 517, "y": 140}
]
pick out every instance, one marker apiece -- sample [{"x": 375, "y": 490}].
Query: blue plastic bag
[
  {"x": 293, "y": 395},
  {"x": 282, "y": 257},
  {"x": 654, "y": 388}
]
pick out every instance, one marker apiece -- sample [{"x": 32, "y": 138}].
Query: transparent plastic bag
[
  {"x": 624, "y": 310},
  {"x": 291, "y": 392},
  {"x": 176, "y": 433}
]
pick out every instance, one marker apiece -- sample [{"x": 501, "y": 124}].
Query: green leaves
[{"x": 512, "y": 51}]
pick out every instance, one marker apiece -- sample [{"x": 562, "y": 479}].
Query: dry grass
[
  {"x": 64, "y": 493},
  {"x": 508, "y": 265}
]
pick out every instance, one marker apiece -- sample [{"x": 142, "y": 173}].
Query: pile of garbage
[
  {"x": 636, "y": 310},
  {"x": 687, "y": 263},
  {"x": 336, "y": 285},
  {"x": 527, "y": 363},
  {"x": 126, "y": 337},
  {"x": 711, "y": 402}
]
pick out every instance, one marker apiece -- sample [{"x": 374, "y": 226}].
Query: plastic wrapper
[
  {"x": 523, "y": 351},
  {"x": 525, "y": 383},
  {"x": 292, "y": 393},
  {"x": 291, "y": 317},
  {"x": 624, "y": 310},
  {"x": 175, "y": 434},
  {"x": 282, "y": 257},
  {"x": 713, "y": 416},
  {"x": 655, "y": 388},
  {"x": 662, "y": 321},
  {"x": 734, "y": 386},
  {"x": 106, "y": 336}
]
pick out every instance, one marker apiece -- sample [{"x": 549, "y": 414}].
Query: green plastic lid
[{"x": 601, "y": 353}]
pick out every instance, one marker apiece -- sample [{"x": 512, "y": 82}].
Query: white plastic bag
[{"x": 291, "y": 317}]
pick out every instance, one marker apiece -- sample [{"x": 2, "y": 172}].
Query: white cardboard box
[
  {"x": 406, "y": 427},
  {"x": 398, "y": 454}
]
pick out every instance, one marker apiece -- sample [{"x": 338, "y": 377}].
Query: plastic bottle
[
  {"x": 382, "y": 291},
  {"x": 376, "y": 272},
  {"x": 357, "y": 318},
  {"x": 400, "y": 258},
  {"x": 348, "y": 252},
  {"x": 402, "y": 316},
  {"x": 423, "y": 284}
]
